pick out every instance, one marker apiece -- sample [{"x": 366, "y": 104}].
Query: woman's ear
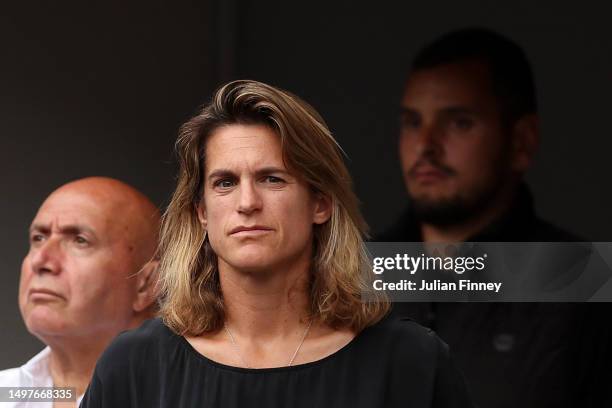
[
  {"x": 201, "y": 211},
  {"x": 322, "y": 208}
]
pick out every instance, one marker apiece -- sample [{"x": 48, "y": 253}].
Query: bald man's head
[
  {"x": 130, "y": 215},
  {"x": 90, "y": 268}
]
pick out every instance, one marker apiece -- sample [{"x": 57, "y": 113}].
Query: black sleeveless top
[{"x": 395, "y": 363}]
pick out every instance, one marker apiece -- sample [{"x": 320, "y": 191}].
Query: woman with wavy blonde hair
[{"x": 266, "y": 296}]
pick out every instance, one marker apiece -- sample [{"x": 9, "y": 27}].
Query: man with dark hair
[
  {"x": 469, "y": 131},
  {"x": 510, "y": 72}
]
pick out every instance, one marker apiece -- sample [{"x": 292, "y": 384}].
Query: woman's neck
[
  {"x": 261, "y": 305},
  {"x": 268, "y": 322}
]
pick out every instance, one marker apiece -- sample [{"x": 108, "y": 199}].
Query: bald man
[{"x": 89, "y": 274}]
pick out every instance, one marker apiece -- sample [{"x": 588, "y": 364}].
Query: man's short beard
[
  {"x": 441, "y": 213},
  {"x": 453, "y": 210}
]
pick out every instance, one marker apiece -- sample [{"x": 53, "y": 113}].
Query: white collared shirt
[{"x": 34, "y": 373}]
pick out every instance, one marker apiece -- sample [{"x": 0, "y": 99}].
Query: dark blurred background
[{"x": 100, "y": 88}]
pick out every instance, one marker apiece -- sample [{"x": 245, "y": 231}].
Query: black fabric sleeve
[
  {"x": 592, "y": 372},
  {"x": 450, "y": 389},
  {"x": 93, "y": 397},
  {"x": 114, "y": 380}
]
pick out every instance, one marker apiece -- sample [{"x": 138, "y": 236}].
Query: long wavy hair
[{"x": 191, "y": 296}]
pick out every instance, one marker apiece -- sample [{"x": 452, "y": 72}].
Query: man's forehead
[
  {"x": 70, "y": 209},
  {"x": 466, "y": 82}
]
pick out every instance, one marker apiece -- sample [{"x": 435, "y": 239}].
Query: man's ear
[
  {"x": 146, "y": 286},
  {"x": 525, "y": 141},
  {"x": 322, "y": 208},
  {"x": 201, "y": 211}
]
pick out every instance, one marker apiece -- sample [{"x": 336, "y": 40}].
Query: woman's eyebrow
[
  {"x": 270, "y": 169},
  {"x": 219, "y": 173}
]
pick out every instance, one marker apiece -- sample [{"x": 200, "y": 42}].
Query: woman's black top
[{"x": 395, "y": 363}]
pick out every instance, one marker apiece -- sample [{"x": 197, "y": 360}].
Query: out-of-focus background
[{"x": 100, "y": 88}]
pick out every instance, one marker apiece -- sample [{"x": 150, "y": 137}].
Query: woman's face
[{"x": 258, "y": 216}]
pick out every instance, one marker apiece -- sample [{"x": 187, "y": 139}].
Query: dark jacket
[
  {"x": 521, "y": 354},
  {"x": 519, "y": 224}
]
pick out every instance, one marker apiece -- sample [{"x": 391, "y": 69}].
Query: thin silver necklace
[{"x": 235, "y": 345}]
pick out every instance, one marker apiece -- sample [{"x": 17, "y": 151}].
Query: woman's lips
[{"x": 250, "y": 231}]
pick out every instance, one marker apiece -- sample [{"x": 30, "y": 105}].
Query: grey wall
[{"x": 100, "y": 89}]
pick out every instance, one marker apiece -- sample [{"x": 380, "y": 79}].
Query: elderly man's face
[
  {"x": 74, "y": 279},
  {"x": 258, "y": 215},
  {"x": 454, "y": 149}
]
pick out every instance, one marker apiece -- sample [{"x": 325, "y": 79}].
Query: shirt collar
[
  {"x": 36, "y": 370},
  {"x": 37, "y": 373}
]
